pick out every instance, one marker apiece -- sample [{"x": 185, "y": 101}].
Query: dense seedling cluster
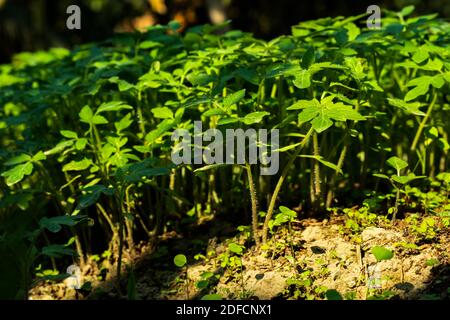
[{"x": 85, "y": 135}]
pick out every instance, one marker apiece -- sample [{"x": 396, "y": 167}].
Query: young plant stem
[
  {"x": 254, "y": 201},
  {"x": 423, "y": 123},
  {"x": 291, "y": 245},
  {"x": 317, "y": 181},
  {"x": 330, "y": 195},
  {"x": 397, "y": 196},
  {"x": 279, "y": 184},
  {"x": 120, "y": 216}
]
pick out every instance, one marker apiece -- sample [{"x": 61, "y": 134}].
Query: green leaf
[
  {"x": 57, "y": 250},
  {"x": 235, "y": 248},
  {"x": 302, "y": 104},
  {"x": 422, "y": 85},
  {"x": 121, "y": 84},
  {"x": 416, "y": 92},
  {"x": 226, "y": 121},
  {"x": 99, "y": 120},
  {"x": 321, "y": 123},
  {"x": 438, "y": 81},
  {"x": 278, "y": 70},
  {"x": 180, "y": 260},
  {"x": 233, "y": 99},
  {"x": 18, "y": 159},
  {"x": 308, "y": 58},
  {"x": 212, "y": 297},
  {"x": 381, "y": 253},
  {"x": 397, "y": 163},
  {"x": 302, "y": 79},
  {"x": 200, "y": 79},
  {"x": 138, "y": 174},
  {"x": 124, "y": 123},
  {"x": 382, "y": 176},
  {"x": 254, "y": 117},
  {"x": 92, "y": 194},
  {"x": 86, "y": 114},
  {"x": 39, "y": 156},
  {"x": 162, "y": 113},
  {"x": 81, "y": 144},
  {"x": 54, "y": 224},
  {"x": 148, "y": 44},
  {"x": 17, "y": 173},
  {"x": 289, "y": 147},
  {"x": 112, "y": 106},
  {"x": 324, "y": 162},
  {"x": 406, "y": 11},
  {"x": 78, "y": 165},
  {"x": 69, "y": 134},
  {"x": 412, "y": 108},
  {"x": 333, "y": 295},
  {"x": 406, "y": 179},
  {"x": 420, "y": 55},
  {"x": 202, "y": 284},
  {"x": 321, "y": 113}
]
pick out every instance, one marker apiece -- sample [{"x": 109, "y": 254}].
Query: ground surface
[{"x": 315, "y": 257}]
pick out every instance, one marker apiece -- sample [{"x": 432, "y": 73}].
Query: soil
[{"x": 332, "y": 258}]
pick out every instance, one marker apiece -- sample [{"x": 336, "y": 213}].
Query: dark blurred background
[{"x": 29, "y": 25}]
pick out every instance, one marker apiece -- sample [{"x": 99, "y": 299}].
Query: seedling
[{"x": 397, "y": 180}]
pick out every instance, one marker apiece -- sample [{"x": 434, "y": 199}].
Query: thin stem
[
  {"x": 422, "y": 124},
  {"x": 284, "y": 173},
  {"x": 254, "y": 201}
]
